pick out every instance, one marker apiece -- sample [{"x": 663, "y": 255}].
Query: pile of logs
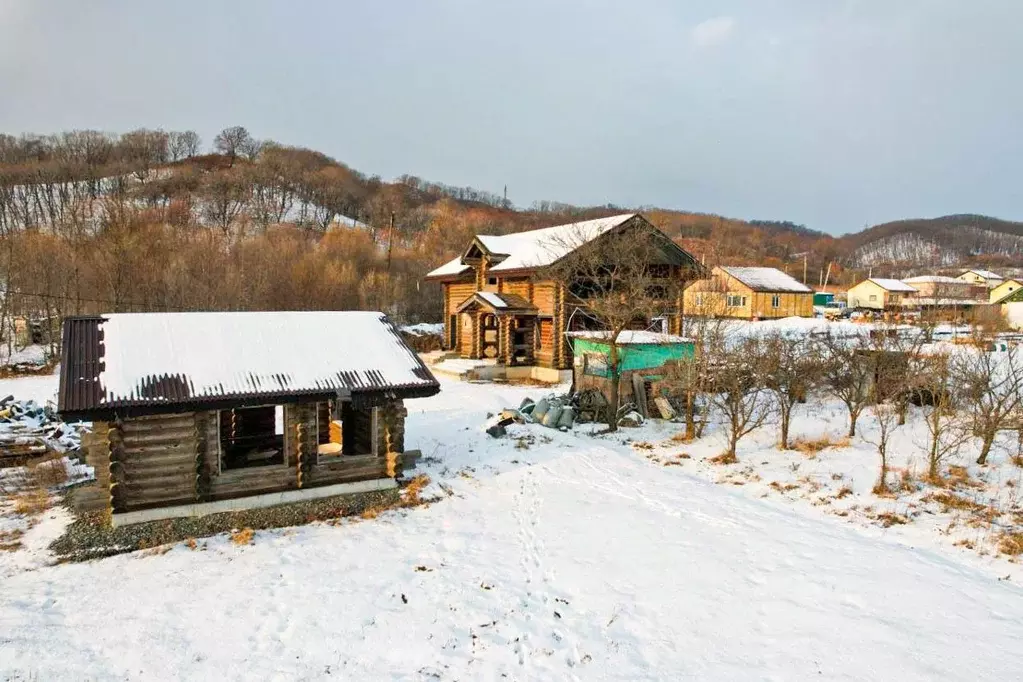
[{"x": 29, "y": 430}]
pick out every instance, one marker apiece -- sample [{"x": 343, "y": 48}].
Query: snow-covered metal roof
[
  {"x": 933, "y": 279},
  {"x": 986, "y": 274},
  {"x": 143, "y": 360},
  {"x": 896, "y": 285},
  {"x": 536, "y": 248},
  {"x": 767, "y": 279}
]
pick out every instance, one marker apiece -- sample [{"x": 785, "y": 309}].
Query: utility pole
[
  {"x": 390, "y": 241},
  {"x": 804, "y": 268}
]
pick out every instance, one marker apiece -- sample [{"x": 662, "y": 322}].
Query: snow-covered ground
[{"x": 550, "y": 556}]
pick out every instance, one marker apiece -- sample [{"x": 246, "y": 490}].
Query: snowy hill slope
[{"x": 555, "y": 557}]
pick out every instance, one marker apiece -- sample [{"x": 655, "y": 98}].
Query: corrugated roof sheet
[{"x": 160, "y": 360}]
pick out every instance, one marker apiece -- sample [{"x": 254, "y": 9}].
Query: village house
[
  {"x": 196, "y": 413},
  {"x": 983, "y": 277},
  {"x": 940, "y": 290},
  {"x": 877, "y": 293},
  {"x": 501, "y": 304},
  {"x": 1002, "y": 290},
  {"x": 749, "y": 293}
]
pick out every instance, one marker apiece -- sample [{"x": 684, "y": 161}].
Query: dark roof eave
[{"x": 121, "y": 410}]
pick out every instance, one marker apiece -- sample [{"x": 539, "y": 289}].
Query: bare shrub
[
  {"x": 739, "y": 392},
  {"x": 792, "y": 367}
]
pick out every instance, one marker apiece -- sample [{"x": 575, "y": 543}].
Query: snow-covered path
[{"x": 568, "y": 559}]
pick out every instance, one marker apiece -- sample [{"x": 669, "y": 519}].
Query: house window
[
  {"x": 492, "y": 281},
  {"x": 873, "y": 297},
  {"x": 735, "y": 301},
  {"x": 776, "y": 301},
  {"x": 251, "y": 437},
  {"x": 329, "y": 432},
  {"x": 698, "y": 299}
]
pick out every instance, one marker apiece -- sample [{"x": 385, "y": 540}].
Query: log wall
[{"x": 172, "y": 460}]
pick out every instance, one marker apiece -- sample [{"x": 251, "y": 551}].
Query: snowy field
[{"x": 550, "y": 556}]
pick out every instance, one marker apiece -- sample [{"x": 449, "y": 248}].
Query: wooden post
[
  {"x": 202, "y": 466},
  {"x": 115, "y": 439},
  {"x": 304, "y": 457}
]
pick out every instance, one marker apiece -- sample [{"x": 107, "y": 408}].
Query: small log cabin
[
  {"x": 749, "y": 293},
  {"x": 196, "y": 413},
  {"x": 498, "y": 303}
]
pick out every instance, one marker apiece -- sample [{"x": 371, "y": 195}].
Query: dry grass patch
[
  {"x": 10, "y": 540},
  {"x": 32, "y": 502},
  {"x": 844, "y": 491},
  {"x": 950, "y": 501},
  {"x": 783, "y": 488},
  {"x": 724, "y": 458},
  {"x": 812, "y": 446},
  {"x": 682, "y": 437},
  {"x": 48, "y": 473},
  {"x": 959, "y": 477},
  {"x": 243, "y": 536},
  {"x": 412, "y": 497},
  {"x": 643, "y": 445},
  {"x": 1011, "y": 544},
  {"x": 889, "y": 519}
]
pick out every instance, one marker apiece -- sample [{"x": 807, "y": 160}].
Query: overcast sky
[{"x": 831, "y": 113}]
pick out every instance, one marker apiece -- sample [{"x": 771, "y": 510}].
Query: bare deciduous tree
[
  {"x": 689, "y": 378},
  {"x": 886, "y": 416},
  {"x": 991, "y": 385},
  {"x": 233, "y": 142},
  {"x": 183, "y": 145},
  {"x": 739, "y": 393},
  {"x": 792, "y": 368},
  {"x": 947, "y": 431},
  {"x": 848, "y": 371},
  {"x": 621, "y": 279}
]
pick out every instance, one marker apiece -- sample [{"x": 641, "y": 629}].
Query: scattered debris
[{"x": 29, "y": 430}]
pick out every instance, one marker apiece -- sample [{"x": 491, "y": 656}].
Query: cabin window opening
[
  {"x": 699, "y": 299},
  {"x": 329, "y": 432},
  {"x": 736, "y": 301},
  {"x": 776, "y": 301},
  {"x": 873, "y": 297},
  {"x": 492, "y": 281},
  {"x": 251, "y": 437}
]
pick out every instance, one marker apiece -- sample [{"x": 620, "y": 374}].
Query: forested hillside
[{"x": 152, "y": 220}]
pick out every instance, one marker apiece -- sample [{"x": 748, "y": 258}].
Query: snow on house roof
[
  {"x": 767, "y": 279},
  {"x": 632, "y": 338},
  {"x": 933, "y": 279},
  {"x": 986, "y": 274},
  {"x": 536, "y": 248},
  {"x": 492, "y": 298},
  {"x": 147, "y": 359},
  {"x": 455, "y": 266},
  {"x": 892, "y": 284}
]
